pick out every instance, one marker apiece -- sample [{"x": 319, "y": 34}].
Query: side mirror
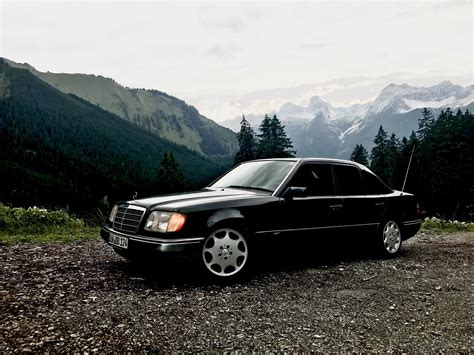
[{"x": 294, "y": 191}]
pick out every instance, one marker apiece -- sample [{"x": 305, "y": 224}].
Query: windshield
[{"x": 258, "y": 175}]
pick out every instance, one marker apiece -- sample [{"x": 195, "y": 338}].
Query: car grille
[{"x": 128, "y": 218}]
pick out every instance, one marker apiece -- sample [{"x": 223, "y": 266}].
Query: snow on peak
[
  {"x": 394, "y": 98},
  {"x": 316, "y": 102},
  {"x": 317, "y": 107},
  {"x": 404, "y": 97}
]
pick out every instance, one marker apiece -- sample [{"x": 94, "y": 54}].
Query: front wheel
[
  {"x": 391, "y": 238},
  {"x": 225, "y": 253}
]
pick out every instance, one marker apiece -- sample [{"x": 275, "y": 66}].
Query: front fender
[{"x": 221, "y": 215}]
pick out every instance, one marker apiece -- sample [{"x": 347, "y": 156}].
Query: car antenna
[{"x": 408, "y": 168}]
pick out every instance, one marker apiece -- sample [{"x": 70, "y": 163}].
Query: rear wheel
[
  {"x": 225, "y": 253},
  {"x": 391, "y": 238}
]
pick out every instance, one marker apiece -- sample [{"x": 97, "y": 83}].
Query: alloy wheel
[
  {"x": 225, "y": 252},
  {"x": 392, "y": 237}
]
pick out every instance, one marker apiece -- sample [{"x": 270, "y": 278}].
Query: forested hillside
[
  {"x": 157, "y": 112},
  {"x": 58, "y": 150},
  {"x": 441, "y": 174}
]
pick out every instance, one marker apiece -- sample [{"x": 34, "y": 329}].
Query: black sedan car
[{"x": 265, "y": 200}]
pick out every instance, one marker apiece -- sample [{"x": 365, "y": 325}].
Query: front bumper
[{"x": 141, "y": 243}]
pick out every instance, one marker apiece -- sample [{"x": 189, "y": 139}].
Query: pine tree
[
  {"x": 424, "y": 124},
  {"x": 393, "y": 157},
  {"x": 246, "y": 139},
  {"x": 406, "y": 148},
  {"x": 272, "y": 140},
  {"x": 170, "y": 177},
  {"x": 265, "y": 146},
  {"x": 378, "y": 155},
  {"x": 360, "y": 155}
]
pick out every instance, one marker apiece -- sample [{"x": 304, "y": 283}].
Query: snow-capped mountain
[
  {"x": 321, "y": 129},
  {"x": 403, "y": 98}
]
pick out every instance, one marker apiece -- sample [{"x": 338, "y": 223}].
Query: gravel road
[{"x": 83, "y": 297}]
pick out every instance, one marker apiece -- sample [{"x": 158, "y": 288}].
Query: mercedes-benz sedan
[{"x": 265, "y": 200}]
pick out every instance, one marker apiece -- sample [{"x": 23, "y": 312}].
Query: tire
[
  {"x": 225, "y": 254},
  {"x": 389, "y": 238}
]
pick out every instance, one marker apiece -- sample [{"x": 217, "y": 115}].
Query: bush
[
  {"x": 35, "y": 220},
  {"x": 438, "y": 224}
]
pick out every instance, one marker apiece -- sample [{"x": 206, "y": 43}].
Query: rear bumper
[
  {"x": 410, "y": 228},
  {"x": 147, "y": 244}
]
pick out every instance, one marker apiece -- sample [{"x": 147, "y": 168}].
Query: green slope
[
  {"x": 59, "y": 150},
  {"x": 155, "y": 111}
]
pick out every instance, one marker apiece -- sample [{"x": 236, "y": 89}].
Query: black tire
[
  {"x": 225, "y": 253},
  {"x": 389, "y": 238}
]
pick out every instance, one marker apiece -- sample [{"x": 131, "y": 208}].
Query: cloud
[
  {"x": 231, "y": 24},
  {"x": 312, "y": 45},
  {"x": 224, "y": 51}
]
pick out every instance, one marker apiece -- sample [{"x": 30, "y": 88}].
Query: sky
[{"x": 189, "y": 49}]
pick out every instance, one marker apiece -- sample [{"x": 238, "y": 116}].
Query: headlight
[
  {"x": 165, "y": 222},
  {"x": 113, "y": 213}
]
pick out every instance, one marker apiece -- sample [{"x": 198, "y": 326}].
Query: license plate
[{"x": 118, "y": 241}]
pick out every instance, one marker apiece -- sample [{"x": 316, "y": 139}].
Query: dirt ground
[{"x": 83, "y": 297}]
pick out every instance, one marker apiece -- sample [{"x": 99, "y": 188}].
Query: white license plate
[{"x": 118, "y": 241}]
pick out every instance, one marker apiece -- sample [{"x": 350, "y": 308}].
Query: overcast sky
[{"x": 223, "y": 47}]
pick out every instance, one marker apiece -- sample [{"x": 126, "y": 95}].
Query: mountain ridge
[
  {"x": 311, "y": 126},
  {"x": 157, "y": 112},
  {"x": 58, "y": 149}
]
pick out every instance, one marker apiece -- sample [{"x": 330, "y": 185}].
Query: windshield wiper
[{"x": 249, "y": 188}]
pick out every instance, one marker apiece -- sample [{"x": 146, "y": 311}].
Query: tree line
[
  {"x": 271, "y": 142},
  {"x": 442, "y": 168},
  {"x": 59, "y": 151}
]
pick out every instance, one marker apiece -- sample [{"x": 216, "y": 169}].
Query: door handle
[
  {"x": 379, "y": 203},
  {"x": 335, "y": 207}
]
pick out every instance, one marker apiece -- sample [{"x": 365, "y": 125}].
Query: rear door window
[{"x": 349, "y": 180}]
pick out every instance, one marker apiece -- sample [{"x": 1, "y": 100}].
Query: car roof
[{"x": 325, "y": 160}]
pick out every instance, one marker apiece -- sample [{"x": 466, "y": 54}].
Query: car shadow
[{"x": 162, "y": 273}]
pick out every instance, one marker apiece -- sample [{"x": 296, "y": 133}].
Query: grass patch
[
  {"x": 38, "y": 225},
  {"x": 54, "y": 236},
  {"x": 446, "y": 226}
]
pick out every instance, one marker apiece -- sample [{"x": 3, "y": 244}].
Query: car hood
[{"x": 206, "y": 196}]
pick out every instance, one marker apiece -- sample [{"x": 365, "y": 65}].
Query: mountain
[
  {"x": 320, "y": 129},
  {"x": 403, "y": 98},
  {"x": 159, "y": 113},
  {"x": 59, "y": 150},
  {"x": 340, "y": 92}
]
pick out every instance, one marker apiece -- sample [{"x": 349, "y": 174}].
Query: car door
[
  {"x": 319, "y": 211},
  {"x": 361, "y": 212}
]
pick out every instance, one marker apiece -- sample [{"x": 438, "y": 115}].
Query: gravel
[{"x": 83, "y": 297}]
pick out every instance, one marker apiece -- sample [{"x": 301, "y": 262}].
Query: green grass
[
  {"x": 53, "y": 236},
  {"x": 445, "y": 226},
  {"x": 37, "y": 225}
]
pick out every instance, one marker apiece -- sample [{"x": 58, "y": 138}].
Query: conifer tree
[
  {"x": 424, "y": 124},
  {"x": 360, "y": 155},
  {"x": 170, "y": 177},
  {"x": 393, "y": 157},
  {"x": 406, "y": 148},
  {"x": 246, "y": 139},
  {"x": 378, "y": 155},
  {"x": 272, "y": 140},
  {"x": 265, "y": 148}
]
